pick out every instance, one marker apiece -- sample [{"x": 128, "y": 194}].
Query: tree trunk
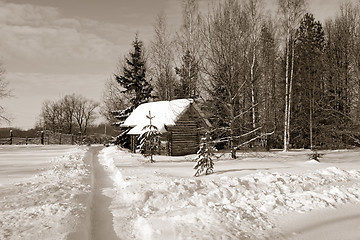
[
  {"x": 311, "y": 125},
  {"x": 286, "y": 94},
  {"x": 233, "y": 148},
  {"x": 252, "y": 78},
  {"x": 232, "y": 140},
  {"x": 290, "y": 91}
]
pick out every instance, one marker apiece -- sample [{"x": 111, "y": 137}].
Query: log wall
[{"x": 185, "y": 135}]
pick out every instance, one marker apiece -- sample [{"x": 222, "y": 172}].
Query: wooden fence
[{"x": 44, "y": 138}]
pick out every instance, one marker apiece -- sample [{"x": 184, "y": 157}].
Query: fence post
[
  {"x": 42, "y": 138},
  {"x": 11, "y": 137}
]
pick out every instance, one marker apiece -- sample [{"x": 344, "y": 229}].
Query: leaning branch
[{"x": 255, "y": 138}]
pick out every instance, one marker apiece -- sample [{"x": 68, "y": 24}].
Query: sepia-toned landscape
[{"x": 179, "y": 119}]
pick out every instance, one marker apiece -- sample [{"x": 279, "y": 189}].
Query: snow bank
[
  {"x": 47, "y": 205},
  {"x": 106, "y": 158},
  {"x": 150, "y": 206}
]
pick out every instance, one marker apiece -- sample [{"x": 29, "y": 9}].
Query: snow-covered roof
[{"x": 165, "y": 113}]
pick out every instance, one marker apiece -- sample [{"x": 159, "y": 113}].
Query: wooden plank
[
  {"x": 179, "y": 133},
  {"x": 185, "y": 146},
  {"x": 184, "y": 136},
  {"x": 183, "y": 149},
  {"x": 182, "y": 153},
  {"x": 193, "y": 149},
  {"x": 179, "y": 141},
  {"x": 185, "y": 131},
  {"x": 185, "y": 143},
  {"x": 185, "y": 121},
  {"x": 184, "y": 126}
]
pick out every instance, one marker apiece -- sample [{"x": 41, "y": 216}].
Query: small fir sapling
[
  {"x": 149, "y": 139},
  {"x": 204, "y": 163}
]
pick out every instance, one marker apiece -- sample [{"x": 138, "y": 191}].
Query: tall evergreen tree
[
  {"x": 342, "y": 78},
  {"x": 270, "y": 94},
  {"x": 188, "y": 73},
  {"x": 308, "y": 83},
  {"x": 136, "y": 87}
]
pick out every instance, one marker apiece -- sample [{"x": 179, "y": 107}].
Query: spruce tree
[
  {"x": 308, "y": 84},
  {"x": 204, "y": 163},
  {"x": 136, "y": 87},
  {"x": 188, "y": 73},
  {"x": 149, "y": 139}
]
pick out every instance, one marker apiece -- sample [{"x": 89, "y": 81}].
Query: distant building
[{"x": 180, "y": 121}]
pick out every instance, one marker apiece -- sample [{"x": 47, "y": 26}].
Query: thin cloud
[{"x": 41, "y": 34}]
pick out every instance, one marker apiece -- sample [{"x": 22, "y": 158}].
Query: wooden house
[{"x": 180, "y": 121}]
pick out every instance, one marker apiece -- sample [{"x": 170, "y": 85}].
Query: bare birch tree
[
  {"x": 291, "y": 12},
  {"x": 162, "y": 60},
  {"x": 113, "y": 99},
  {"x": 254, "y": 10},
  {"x": 356, "y": 64},
  {"x": 188, "y": 46},
  {"x": 225, "y": 40},
  {"x": 342, "y": 80}
]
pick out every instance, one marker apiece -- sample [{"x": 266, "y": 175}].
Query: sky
[{"x": 50, "y": 48}]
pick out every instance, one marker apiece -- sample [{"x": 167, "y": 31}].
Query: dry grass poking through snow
[{"x": 46, "y": 206}]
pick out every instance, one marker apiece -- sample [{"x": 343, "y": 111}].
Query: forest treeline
[
  {"x": 283, "y": 81},
  {"x": 92, "y": 131}
]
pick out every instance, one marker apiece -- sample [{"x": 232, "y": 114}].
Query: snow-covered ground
[
  {"x": 42, "y": 190},
  {"x": 45, "y": 193},
  {"x": 258, "y": 196}
]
